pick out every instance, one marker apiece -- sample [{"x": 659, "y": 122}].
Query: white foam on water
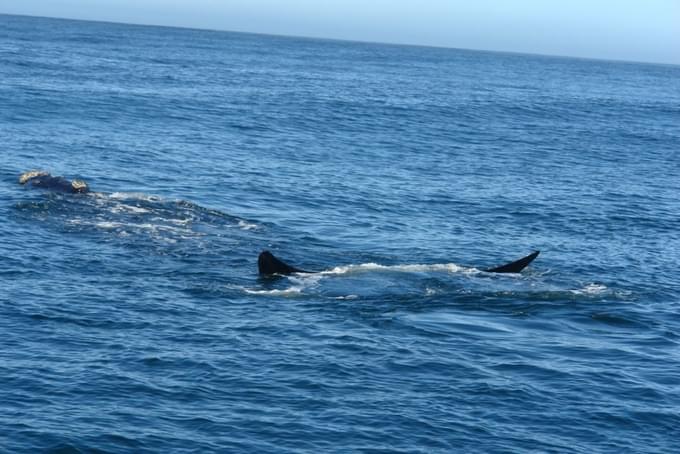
[
  {"x": 107, "y": 225},
  {"x": 122, "y": 208},
  {"x": 129, "y": 226},
  {"x": 291, "y": 291},
  {"x": 247, "y": 225},
  {"x": 367, "y": 267},
  {"x": 300, "y": 282},
  {"x": 131, "y": 196},
  {"x": 590, "y": 289}
]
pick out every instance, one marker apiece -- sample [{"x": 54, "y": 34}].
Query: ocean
[{"x": 133, "y": 319}]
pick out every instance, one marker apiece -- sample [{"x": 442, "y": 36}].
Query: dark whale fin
[
  {"x": 516, "y": 266},
  {"x": 267, "y": 265}
]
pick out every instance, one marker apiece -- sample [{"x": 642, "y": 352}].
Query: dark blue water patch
[{"x": 133, "y": 319}]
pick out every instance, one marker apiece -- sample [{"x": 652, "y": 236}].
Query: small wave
[
  {"x": 9, "y": 48},
  {"x": 455, "y": 321}
]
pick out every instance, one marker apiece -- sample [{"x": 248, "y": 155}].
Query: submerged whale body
[
  {"x": 269, "y": 265},
  {"x": 44, "y": 180}
]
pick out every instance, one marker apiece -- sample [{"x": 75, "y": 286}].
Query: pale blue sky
[{"x": 612, "y": 29}]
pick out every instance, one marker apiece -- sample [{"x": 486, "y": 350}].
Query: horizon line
[{"x": 346, "y": 40}]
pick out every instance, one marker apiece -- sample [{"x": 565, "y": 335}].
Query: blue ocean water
[{"x": 132, "y": 319}]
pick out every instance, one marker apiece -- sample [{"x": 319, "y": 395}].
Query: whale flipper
[
  {"x": 268, "y": 265},
  {"x": 516, "y": 266}
]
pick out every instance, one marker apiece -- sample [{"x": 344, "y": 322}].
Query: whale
[
  {"x": 44, "y": 180},
  {"x": 267, "y": 263},
  {"x": 270, "y": 265}
]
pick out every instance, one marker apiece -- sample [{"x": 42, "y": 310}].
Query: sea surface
[{"x": 132, "y": 319}]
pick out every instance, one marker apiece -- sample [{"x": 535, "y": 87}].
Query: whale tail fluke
[
  {"x": 516, "y": 266},
  {"x": 269, "y": 265}
]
